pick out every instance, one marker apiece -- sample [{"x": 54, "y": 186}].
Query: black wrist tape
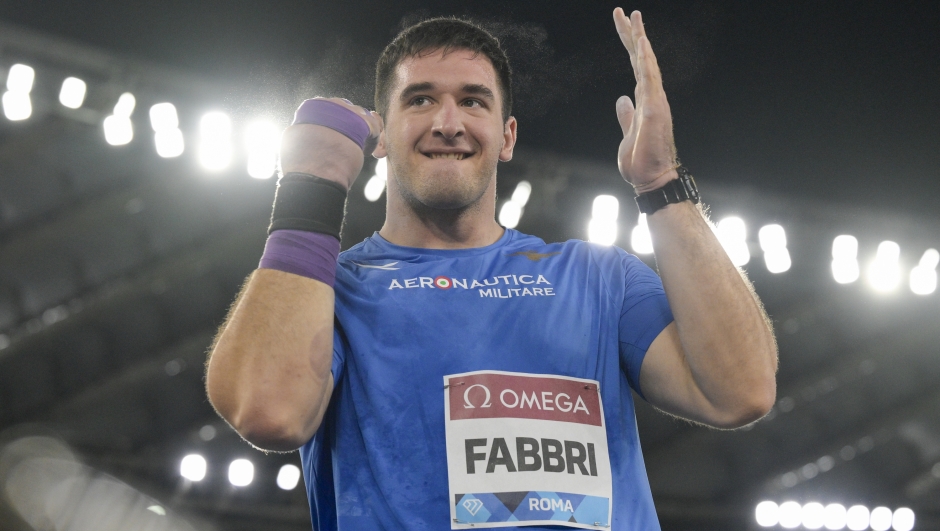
[{"x": 310, "y": 203}]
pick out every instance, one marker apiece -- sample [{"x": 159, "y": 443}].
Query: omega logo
[{"x": 466, "y": 397}]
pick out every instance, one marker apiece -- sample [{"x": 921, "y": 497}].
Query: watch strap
[{"x": 675, "y": 191}]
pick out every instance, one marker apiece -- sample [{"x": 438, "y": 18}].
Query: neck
[{"x": 430, "y": 228}]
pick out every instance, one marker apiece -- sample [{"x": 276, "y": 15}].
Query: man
[{"x": 471, "y": 375}]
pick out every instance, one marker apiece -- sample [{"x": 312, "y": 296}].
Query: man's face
[{"x": 444, "y": 132}]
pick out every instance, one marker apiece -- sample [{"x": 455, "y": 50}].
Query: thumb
[{"x": 625, "y": 113}]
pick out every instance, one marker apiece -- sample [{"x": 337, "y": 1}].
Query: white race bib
[{"x": 526, "y": 449}]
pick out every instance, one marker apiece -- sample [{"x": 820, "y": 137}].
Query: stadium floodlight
[
  {"x": 241, "y": 472},
  {"x": 288, "y": 477},
  {"x": 118, "y": 130},
  {"x": 262, "y": 140},
  {"x": 834, "y": 516},
  {"x": 791, "y": 515},
  {"x": 215, "y": 141},
  {"x": 813, "y": 515},
  {"x": 72, "y": 93},
  {"x": 640, "y": 238},
  {"x": 169, "y": 143},
  {"x": 924, "y": 275},
  {"x": 521, "y": 194},
  {"x": 511, "y": 211},
  {"x": 884, "y": 273},
  {"x": 376, "y": 184},
  {"x": 856, "y": 518},
  {"x": 602, "y": 228},
  {"x": 773, "y": 241},
  {"x": 163, "y": 117},
  {"x": 125, "y": 105},
  {"x": 845, "y": 268},
  {"x": 605, "y": 207},
  {"x": 767, "y": 514},
  {"x": 374, "y": 188},
  {"x": 880, "y": 519},
  {"x": 732, "y": 233},
  {"x": 193, "y": 467},
  {"x": 17, "y": 106},
  {"x": 902, "y": 519},
  {"x": 510, "y": 214},
  {"x": 20, "y": 78}
]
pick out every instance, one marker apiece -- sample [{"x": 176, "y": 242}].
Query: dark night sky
[{"x": 836, "y": 100}]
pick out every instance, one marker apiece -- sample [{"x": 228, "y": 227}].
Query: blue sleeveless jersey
[{"x": 407, "y": 319}]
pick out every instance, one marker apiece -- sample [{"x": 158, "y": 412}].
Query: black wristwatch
[{"x": 675, "y": 191}]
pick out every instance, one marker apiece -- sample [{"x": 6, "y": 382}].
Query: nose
[{"x": 448, "y": 121}]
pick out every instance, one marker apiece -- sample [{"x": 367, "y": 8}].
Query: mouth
[{"x": 449, "y": 156}]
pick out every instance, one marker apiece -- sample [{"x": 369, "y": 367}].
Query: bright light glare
[
  {"x": 924, "y": 275},
  {"x": 813, "y": 515},
  {"x": 376, "y": 185},
  {"x": 118, "y": 130},
  {"x": 640, "y": 238},
  {"x": 72, "y": 93},
  {"x": 772, "y": 237},
  {"x": 856, "y": 518},
  {"x": 193, "y": 467},
  {"x": 790, "y": 515},
  {"x": 845, "y": 268},
  {"x": 169, "y": 143},
  {"x": 125, "y": 105},
  {"x": 602, "y": 228},
  {"x": 834, "y": 517},
  {"x": 606, "y": 208},
  {"x": 522, "y": 192},
  {"x": 732, "y": 234},
  {"x": 930, "y": 259},
  {"x": 844, "y": 247},
  {"x": 773, "y": 241},
  {"x": 381, "y": 168},
  {"x": 215, "y": 141},
  {"x": 767, "y": 514},
  {"x": 20, "y": 78},
  {"x": 16, "y": 106},
  {"x": 884, "y": 273},
  {"x": 903, "y": 519},
  {"x": 602, "y": 231},
  {"x": 241, "y": 472},
  {"x": 262, "y": 141},
  {"x": 880, "y": 519},
  {"x": 509, "y": 214},
  {"x": 288, "y": 477},
  {"x": 163, "y": 117}
]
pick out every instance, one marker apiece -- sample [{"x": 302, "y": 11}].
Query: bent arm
[
  {"x": 716, "y": 363},
  {"x": 268, "y": 373}
]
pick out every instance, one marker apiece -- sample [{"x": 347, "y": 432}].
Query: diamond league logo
[{"x": 472, "y": 506}]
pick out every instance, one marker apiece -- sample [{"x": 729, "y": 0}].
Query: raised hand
[
  {"x": 326, "y": 153},
  {"x": 647, "y": 155}
]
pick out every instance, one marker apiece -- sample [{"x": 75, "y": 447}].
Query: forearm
[
  {"x": 269, "y": 372},
  {"x": 726, "y": 339}
]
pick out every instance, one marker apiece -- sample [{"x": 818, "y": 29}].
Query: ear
[
  {"x": 380, "y": 151},
  {"x": 509, "y": 139}
]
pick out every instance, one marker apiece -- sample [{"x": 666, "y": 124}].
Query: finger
[
  {"x": 649, "y": 68},
  {"x": 625, "y": 113},
  {"x": 624, "y": 31}
]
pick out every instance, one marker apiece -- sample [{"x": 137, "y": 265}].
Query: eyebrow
[{"x": 470, "y": 88}]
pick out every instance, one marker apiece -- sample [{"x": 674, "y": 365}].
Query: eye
[
  {"x": 420, "y": 101},
  {"x": 476, "y": 104}
]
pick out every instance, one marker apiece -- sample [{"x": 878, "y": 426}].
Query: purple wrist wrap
[
  {"x": 308, "y": 254},
  {"x": 334, "y": 116}
]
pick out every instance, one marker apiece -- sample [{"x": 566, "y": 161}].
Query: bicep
[{"x": 667, "y": 381}]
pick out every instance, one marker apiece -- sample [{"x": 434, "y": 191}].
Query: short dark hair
[{"x": 447, "y": 35}]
